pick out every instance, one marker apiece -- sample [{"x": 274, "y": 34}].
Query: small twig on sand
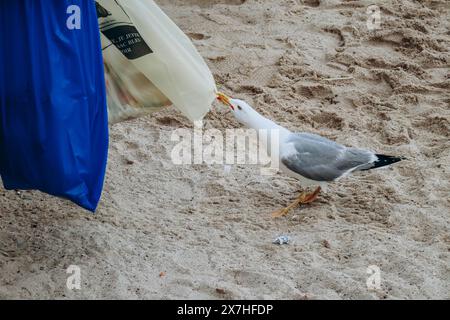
[
  {"x": 3, "y": 252},
  {"x": 336, "y": 79}
]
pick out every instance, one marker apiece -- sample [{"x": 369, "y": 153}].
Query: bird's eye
[{"x": 239, "y": 107}]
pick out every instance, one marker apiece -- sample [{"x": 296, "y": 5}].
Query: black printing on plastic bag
[
  {"x": 123, "y": 35},
  {"x": 128, "y": 40}
]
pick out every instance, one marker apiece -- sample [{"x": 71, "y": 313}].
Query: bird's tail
[{"x": 383, "y": 161}]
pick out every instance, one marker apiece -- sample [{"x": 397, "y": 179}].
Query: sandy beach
[{"x": 166, "y": 231}]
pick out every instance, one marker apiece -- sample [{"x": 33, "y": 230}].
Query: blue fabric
[{"x": 53, "y": 113}]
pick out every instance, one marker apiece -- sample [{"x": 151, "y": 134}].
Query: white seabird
[{"x": 312, "y": 159}]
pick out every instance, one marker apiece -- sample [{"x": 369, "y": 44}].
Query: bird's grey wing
[{"x": 320, "y": 159}]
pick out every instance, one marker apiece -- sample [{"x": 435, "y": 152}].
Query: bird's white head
[
  {"x": 249, "y": 117},
  {"x": 242, "y": 111}
]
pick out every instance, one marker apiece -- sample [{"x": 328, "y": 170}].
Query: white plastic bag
[
  {"x": 129, "y": 92},
  {"x": 150, "y": 62}
]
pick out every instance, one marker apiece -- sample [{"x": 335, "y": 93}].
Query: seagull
[{"x": 312, "y": 159}]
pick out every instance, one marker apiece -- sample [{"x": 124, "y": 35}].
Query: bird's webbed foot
[{"x": 303, "y": 198}]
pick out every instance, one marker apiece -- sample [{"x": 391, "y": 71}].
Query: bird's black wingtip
[{"x": 384, "y": 160}]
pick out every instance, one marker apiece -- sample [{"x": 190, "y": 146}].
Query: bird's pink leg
[{"x": 303, "y": 198}]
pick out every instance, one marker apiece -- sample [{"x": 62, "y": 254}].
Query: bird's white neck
[
  {"x": 259, "y": 122},
  {"x": 270, "y": 134}
]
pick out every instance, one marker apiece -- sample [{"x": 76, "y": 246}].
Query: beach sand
[{"x": 164, "y": 231}]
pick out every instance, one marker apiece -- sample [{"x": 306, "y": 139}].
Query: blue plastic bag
[{"x": 53, "y": 112}]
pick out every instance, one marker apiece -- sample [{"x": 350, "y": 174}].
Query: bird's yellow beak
[{"x": 224, "y": 99}]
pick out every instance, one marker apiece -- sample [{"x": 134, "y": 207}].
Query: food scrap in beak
[{"x": 224, "y": 99}]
